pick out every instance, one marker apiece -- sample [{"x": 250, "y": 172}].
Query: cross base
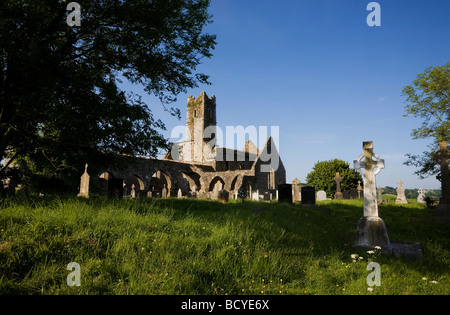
[{"x": 372, "y": 232}]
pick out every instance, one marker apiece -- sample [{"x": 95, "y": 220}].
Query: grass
[{"x": 171, "y": 246}]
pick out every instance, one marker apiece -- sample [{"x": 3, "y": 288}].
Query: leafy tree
[
  {"x": 429, "y": 98},
  {"x": 323, "y": 174},
  {"x": 60, "y": 101}
]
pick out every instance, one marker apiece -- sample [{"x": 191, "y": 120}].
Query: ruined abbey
[{"x": 197, "y": 166}]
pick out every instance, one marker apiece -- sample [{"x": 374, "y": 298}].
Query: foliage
[
  {"x": 174, "y": 246},
  {"x": 61, "y": 105},
  {"x": 323, "y": 174},
  {"x": 428, "y": 98}
]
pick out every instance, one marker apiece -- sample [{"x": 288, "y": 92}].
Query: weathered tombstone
[
  {"x": 371, "y": 230},
  {"x": 194, "y": 191},
  {"x": 285, "y": 193},
  {"x": 338, "y": 194},
  {"x": 421, "y": 196},
  {"x": 380, "y": 191},
  {"x": 149, "y": 194},
  {"x": 84, "y": 184},
  {"x": 401, "y": 198},
  {"x": 360, "y": 190},
  {"x": 296, "y": 193},
  {"x": 308, "y": 195},
  {"x": 223, "y": 196},
  {"x": 267, "y": 196},
  {"x": 164, "y": 192},
  {"x": 321, "y": 195},
  {"x": 242, "y": 194},
  {"x": 133, "y": 191},
  {"x": 180, "y": 193},
  {"x": 443, "y": 209}
]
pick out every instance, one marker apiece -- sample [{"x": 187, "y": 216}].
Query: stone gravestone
[
  {"x": 84, "y": 184},
  {"x": 285, "y": 193},
  {"x": 443, "y": 209},
  {"x": 321, "y": 195},
  {"x": 421, "y": 196},
  {"x": 223, "y": 196},
  {"x": 338, "y": 194},
  {"x": 371, "y": 230},
  {"x": 380, "y": 191},
  {"x": 267, "y": 196},
  {"x": 308, "y": 195},
  {"x": 164, "y": 192},
  {"x": 401, "y": 198},
  {"x": 360, "y": 189},
  {"x": 296, "y": 195},
  {"x": 133, "y": 191},
  {"x": 180, "y": 193}
]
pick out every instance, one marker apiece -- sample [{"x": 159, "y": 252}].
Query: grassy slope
[{"x": 155, "y": 246}]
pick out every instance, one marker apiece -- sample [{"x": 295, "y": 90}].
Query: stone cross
[
  {"x": 359, "y": 188},
  {"x": 338, "y": 194},
  {"x": 370, "y": 188},
  {"x": 84, "y": 184},
  {"x": 371, "y": 230},
  {"x": 442, "y": 157},
  {"x": 380, "y": 190},
  {"x": 401, "y": 198}
]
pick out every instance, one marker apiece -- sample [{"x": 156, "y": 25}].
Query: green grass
[{"x": 171, "y": 246}]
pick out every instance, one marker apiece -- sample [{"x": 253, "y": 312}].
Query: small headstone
[
  {"x": 267, "y": 196},
  {"x": 84, "y": 184},
  {"x": 401, "y": 198},
  {"x": 149, "y": 194},
  {"x": 285, "y": 193},
  {"x": 164, "y": 192},
  {"x": 379, "y": 191},
  {"x": 421, "y": 196},
  {"x": 242, "y": 194},
  {"x": 133, "y": 191},
  {"x": 222, "y": 196},
  {"x": 321, "y": 195},
  {"x": 308, "y": 195},
  {"x": 180, "y": 194},
  {"x": 360, "y": 190}
]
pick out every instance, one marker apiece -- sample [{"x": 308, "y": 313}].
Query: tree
[
  {"x": 60, "y": 101},
  {"x": 323, "y": 173},
  {"x": 429, "y": 98}
]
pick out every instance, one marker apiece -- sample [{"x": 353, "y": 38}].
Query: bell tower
[{"x": 201, "y": 126}]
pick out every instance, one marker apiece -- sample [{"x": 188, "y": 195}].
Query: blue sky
[{"x": 328, "y": 80}]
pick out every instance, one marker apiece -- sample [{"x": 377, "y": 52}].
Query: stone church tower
[{"x": 200, "y": 128}]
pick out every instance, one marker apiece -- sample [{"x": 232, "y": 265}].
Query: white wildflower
[
  {"x": 370, "y": 289},
  {"x": 370, "y": 252},
  {"x": 354, "y": 256},
  {"x": 424, "y": 278},
  {"x": 434, "y": 282}
]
